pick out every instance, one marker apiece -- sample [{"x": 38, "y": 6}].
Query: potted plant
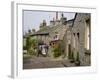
[
  {"x": 72, "y": 57},
  {"x": 77, "y": 62}
]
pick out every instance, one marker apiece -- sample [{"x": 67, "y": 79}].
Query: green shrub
[
  {"x": 77, "y": 58},
  {"x": 24, "y": 48},
  {"x": 31, "y": 45},
  {"x": 77, "y": 62},
  {"x": 30, "y": 51},
  {"x": 72, "y": 55},
  {"x": 57, "y": 51}
]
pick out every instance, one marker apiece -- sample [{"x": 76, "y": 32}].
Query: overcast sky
[{"x": 32, "y": 19}]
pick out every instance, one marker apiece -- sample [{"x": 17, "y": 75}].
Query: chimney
[
  {"x": 56, "y": 15},
  {"x": 44, "y": 22},
  {"x": 33, "y": 30},
  {"x": 62, "y": 15}
]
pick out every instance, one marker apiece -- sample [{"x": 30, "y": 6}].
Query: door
[{"x": 69, "y": 51}]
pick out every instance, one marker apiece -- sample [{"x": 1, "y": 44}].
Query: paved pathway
[{"x": 45, "y": 62}]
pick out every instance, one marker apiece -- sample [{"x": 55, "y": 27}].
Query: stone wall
[
  {"x": 79, "y": 30},
  {"x": 75, "y": 36}
]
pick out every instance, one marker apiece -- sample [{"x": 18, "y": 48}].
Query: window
[
  {"x": 87, "y": 34},
  {"x": 78, "y": 35},
  {"x": 74, "y": 40},
  {"x": 56, "y": 37}
]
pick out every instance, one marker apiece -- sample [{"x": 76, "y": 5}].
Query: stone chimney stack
[
  {"x": 29, "y": 31},
  {"x": 63, "y": 19},
  {"x": 33, "y": 30},
  {"x": 56, "y": 15},
  {"x": 44, "y": 22},
  {"x": 62, "y": 15}
]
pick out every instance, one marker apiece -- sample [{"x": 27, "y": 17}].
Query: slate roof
[{"x": 50, "y": 30}]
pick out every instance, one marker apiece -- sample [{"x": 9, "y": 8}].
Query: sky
[{"x": 32, "y": 19}]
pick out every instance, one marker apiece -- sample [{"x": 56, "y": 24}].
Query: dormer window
[{"x": 56, "y": 37}]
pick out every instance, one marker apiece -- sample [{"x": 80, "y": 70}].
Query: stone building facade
[{"x": 77, "y": 39}]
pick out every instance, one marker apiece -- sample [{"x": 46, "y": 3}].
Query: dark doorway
[{"x": 69, "y": 51}]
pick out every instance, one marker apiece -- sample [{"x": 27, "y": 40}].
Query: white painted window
[{"x": 87, "y": 35}]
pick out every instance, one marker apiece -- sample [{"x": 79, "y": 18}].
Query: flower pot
[
  {"x": 77, "y": 63},
  {"x": 72, "y": 60}
]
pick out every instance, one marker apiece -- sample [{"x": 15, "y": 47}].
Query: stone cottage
[{"x": 77, "y": 39}]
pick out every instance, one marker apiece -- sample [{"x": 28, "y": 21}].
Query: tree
[{"x": 31, "y": 45}]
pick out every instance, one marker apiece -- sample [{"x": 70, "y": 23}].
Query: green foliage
[
  {"x": 24, "y": 48},
  {"x": 77, "y": 62},
  {"x": 30, "y": 51},
  {"x": 57, "y": 51},
  {"x": 34, "y": 43},
  {"x": 72, "y": 55},
  {"x": 77, "y": 58},
  {"x": 27, "y": 43},
  {"x": 69, "y": 55},
  {"x": 31, "y": 46}
]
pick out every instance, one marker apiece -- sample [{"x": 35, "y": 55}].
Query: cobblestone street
[{"x": 45, "y": 62}]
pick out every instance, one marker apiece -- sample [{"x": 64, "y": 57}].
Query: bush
[
  {"x": 31, "y": 46},
  {"x": 77, "y": 62},
  {"x": 72, "y": 57},
  {"x": 77, "y": 58},
  {"x": 24, "y": 48},
  {"x": 30, "y": 51},
  {"x": 57, "y": 51}
]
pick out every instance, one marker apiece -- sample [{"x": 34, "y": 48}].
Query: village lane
[{"x": 45, "y": 62}]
